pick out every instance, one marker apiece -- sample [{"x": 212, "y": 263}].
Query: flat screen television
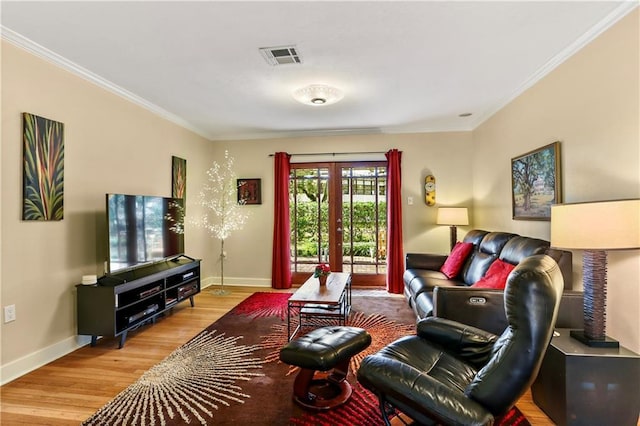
[{"x": 142, "y": 230}]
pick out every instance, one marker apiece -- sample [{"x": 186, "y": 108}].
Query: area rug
[{"x": 230, "y": 373}]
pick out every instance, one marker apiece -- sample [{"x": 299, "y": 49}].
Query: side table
[{"x": 582, "y": 385}]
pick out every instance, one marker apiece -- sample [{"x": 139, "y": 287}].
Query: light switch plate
[{"x": 9, "y": 313}]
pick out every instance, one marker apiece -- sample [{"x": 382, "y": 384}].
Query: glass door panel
[
  {"x": 364, "y": 219},
  {"x": 338, "y": 216},
  {"x": 309, "y": 215}
]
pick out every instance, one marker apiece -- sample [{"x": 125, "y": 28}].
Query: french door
[{"x": 338, "y": 216}]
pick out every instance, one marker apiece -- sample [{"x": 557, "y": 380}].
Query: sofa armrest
[
  {"x": 564, "y": 259},
  {"x": 470, "y": 343},
  {"x": 428, "y": 261},
  {"x": 570, "y": 312},
  {"x": 484, "y": 308}
]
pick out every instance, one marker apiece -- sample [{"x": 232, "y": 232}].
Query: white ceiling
[{"x": 404, "y": 66}]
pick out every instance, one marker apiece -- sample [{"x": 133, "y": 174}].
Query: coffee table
[{"x": 331, "y": 301}]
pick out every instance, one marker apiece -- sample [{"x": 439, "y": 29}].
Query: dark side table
[{"x": 582, "y": 385}]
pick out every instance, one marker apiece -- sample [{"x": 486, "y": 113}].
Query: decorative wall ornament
[
  {"x": 430, "y": 190},
  {"x": 179, "y": 177},
  {"x": 249, "y": 191},
  {"x": 43, "y": 169},
  {"x": 535, "y": 183}
]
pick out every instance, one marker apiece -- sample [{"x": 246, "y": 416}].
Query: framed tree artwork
[
  {"x": 535, "y": 183},
  {"x": 249, "y": 191},
  {"x": 43, "y": 168}
]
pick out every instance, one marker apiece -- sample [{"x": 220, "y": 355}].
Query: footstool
[{"x": 324, "y": 349}]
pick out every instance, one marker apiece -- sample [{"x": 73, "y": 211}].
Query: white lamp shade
[
  {"x": 452, "y": 216},
  {"x": 604, "y": 225}
]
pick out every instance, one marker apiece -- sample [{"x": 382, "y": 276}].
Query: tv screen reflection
[{"x": 142, "y": 229}]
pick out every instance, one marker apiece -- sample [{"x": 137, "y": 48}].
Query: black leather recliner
[{"x": 455, "y": 374}]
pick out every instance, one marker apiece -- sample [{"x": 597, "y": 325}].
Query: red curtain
[
  {"x": 395, "y": 250},
  {"x": 280, "y": 263}
]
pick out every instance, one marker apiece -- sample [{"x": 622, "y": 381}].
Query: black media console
[{"x": 124, "y": 301}]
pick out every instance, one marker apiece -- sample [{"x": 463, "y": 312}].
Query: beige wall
[
  {"x": 590, "y": 104},
  {"x": 422, "y": 154},
  {"x": 111, "y": 145}
]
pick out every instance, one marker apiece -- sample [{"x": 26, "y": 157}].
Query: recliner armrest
[
  {"x": 469, "y": 343},
  {"x": 428, "y": 261}
]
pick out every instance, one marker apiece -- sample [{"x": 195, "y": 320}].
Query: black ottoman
[{"x": 324, "y": 349}]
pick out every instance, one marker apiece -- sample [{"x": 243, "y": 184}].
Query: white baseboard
[
  {"x": 236, "y": 282},
  {"x": 28, "y": 363}
]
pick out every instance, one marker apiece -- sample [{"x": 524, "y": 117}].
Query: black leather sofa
[{"x": 429, "y": 292}]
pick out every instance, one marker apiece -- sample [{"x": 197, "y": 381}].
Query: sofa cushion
[
  {"x": 423, "y": 303},
  {"x": 410, "y": 274},
  {"x": 475, "y": 236},
  {"x": 426, "y": 280},
  {"x": 496, "y": 276},
  {"x": 484, "y": 255},
  {"x": 517, "y": 248},
  {"x": 456, "y": 259}
]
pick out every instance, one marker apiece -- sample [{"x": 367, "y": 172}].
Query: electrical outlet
[
  {"x": 9, "y": 313},
  {"x": 410, "y": 201}
]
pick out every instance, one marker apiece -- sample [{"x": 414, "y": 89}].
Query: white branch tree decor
[{"x": 223, "y": 214}]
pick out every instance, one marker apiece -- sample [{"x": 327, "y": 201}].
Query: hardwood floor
[{"x": 70, "y": 389}]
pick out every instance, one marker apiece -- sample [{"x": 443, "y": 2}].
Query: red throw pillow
[
  {"x": 454, "y": 262},
  {"x": 496, "y": 276}
]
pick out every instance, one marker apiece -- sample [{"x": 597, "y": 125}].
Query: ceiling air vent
[{"x": 281, "y": 55}]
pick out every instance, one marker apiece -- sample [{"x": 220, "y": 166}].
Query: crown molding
[
  {"x": 607, "y": 22},
  {"x": 624, "y": 8},
  {"x": 52, "y": 57}
]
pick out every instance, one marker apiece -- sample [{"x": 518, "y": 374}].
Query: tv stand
[
  {"x": 123, "y": 302},
  {"x": 177, "y": 258}
]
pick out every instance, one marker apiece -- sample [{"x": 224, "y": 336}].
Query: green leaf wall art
[
  {"x": 179, "y": 178},
  {"x": 43, "y": 176}
]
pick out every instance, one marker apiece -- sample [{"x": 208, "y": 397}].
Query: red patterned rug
[{"x": 231, "y": 373}]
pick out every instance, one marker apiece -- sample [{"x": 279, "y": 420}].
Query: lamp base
[
  {"x": 453, "y": 235},
  {"x": 607, "y": 342}
]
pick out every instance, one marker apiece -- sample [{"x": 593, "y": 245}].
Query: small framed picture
[
  {"x": 535, "y": 183},
  {"x": 249, "y": 191}
]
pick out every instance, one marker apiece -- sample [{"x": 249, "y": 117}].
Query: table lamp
[
  {"x": 453, "y": 216},
  {"x": 596, "y": 228}
]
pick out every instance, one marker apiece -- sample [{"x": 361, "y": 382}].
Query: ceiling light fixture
[{"x": 318, "y": 94}]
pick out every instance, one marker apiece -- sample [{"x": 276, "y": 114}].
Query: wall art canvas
[
  {"x": 535, "y": 183},
  {"x": 249, "y": 191},
  {"x": 179, "y": 178},
  {"x": 43, "y": 168}
]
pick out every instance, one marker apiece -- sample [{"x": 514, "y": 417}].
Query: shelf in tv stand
[{"x": 123, "y": 302}]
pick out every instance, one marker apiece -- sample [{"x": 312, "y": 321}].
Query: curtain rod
[{"x": 335, "y": 153}]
